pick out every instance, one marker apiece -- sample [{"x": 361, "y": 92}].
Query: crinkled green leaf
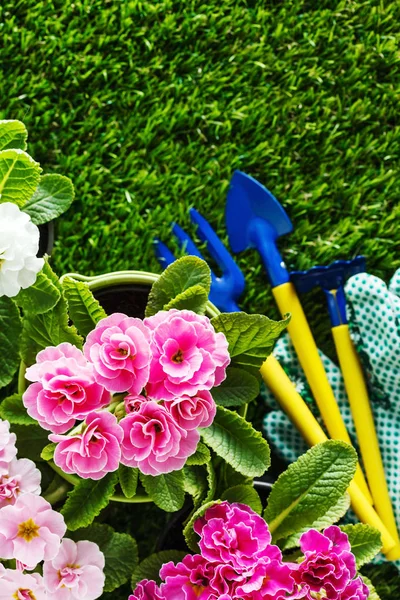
[
  {"x": 245, "y": 494},
  {"x": 13, "y": 409},
  {"x": 200, "y": 457},
  {"x": 333, "y": 515},
  {"x": 53, "y": 196},
  {"x": 119, "y": 549},
  {"x": 251, "y": 337},
  {"x": 191, "y": 536},
  {"x": 181, "y": 275},
  {"x": 167, "y": 490},
  {"x": 87, "y": 499},
  {"x": 310, "y": 487},
  {"x": 365, "y": 542},
  {"x": 39, "y": 297},
  {"x": 238, "y": 443},
  {"x": 239, "y": 387},
  {"x": 10, "y": 330},
  {"x": 128, "y": 480},
  {"x": 48, "y": 451},
  {"x": 194, "y": 298},
  {"x": 150, "y": 567},
  {"x": 196, "y": 483},
  {"x": 13, "y": 135},
  {"x": 84, "y": 309},
  {"x": 212, "y": 482},
  {"x": 31, "y": 439},
  {"x": 19, "y": 176}
]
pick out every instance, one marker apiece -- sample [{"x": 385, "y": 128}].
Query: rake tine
[
  {"x": 185, "y": 241},
  {"x": 164, "y": 255}
]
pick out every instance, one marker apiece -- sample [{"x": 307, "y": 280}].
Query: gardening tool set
[{"x": 254, "y": 218}]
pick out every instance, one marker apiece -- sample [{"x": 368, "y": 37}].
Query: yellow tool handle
[
  {"x": 364, "y": 421},
  {"x": 307, "y": 352},
  {"x": 303, "y": 419}
]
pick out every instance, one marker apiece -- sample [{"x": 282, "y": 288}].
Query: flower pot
[{"x": 46, "y": 239}]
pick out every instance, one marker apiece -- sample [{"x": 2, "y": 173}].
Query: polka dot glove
[{"x": 373, "y": 311}]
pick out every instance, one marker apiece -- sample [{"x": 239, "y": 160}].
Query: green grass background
[{"x": 150, "y": 106}]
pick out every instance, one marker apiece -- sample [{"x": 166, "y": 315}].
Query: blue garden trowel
[{"x": 255, "y": 219}]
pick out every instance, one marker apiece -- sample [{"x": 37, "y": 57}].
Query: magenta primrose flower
[
  {"x": 7, "y": 442},
  {"x": 154, "y": 442},
  {"x": 192, "y": 412},
  {"x": 65, "y": 388},
  {"x": 20, "y": 476},
  {"x": 76, "y": 573},
  {"x": 30, "y": 530},
  {"x": 187, "y": 354},
  {"x": 19, "y": 586},
  {"x": 94, "y": 452},
  {"x": 329, "y": 565},
  {"x": 147, "y": 590},
  {"x": 119, "y": 348}
]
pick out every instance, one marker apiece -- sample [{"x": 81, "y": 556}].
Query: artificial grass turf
[{"x": 150, "y": 106}]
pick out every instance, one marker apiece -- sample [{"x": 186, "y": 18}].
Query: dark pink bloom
[
  {"x": 188, "y": 355},
  {"x": 328, "y": 566},
  {"x": 7, "y": 442},
  {"x": 234, "y": 534},
  {"x": 132, "y": 402},
  {"x": 192, "y": 412},
  {"x": 267, "y": 579},
  {"x": 94, "y": 452},
  {"x": 65, "y": 388},
  {"x": 356, "y": 590},
  {"x": 154, "y": 442},
  {"x": 119, "y": 348},
  {"x": 147, "y": 590}
]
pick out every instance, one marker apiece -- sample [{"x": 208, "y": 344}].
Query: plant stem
[{"x": 59, "y": 494}]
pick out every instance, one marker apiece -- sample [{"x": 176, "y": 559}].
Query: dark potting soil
[{"x": 128, "y": 299}]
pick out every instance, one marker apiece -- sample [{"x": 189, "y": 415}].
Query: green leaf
[
  {"x": 31, "y": 439},
  {"x": 119, "y": 549},
  {"x": 51, "y": 199},
  {"x": 200, "y": 457},
  {"x": 373, "y": 595},
  {"x": 13, "y": 409},
  {"x": 19, "y": 176},
  {"x": 191, "y": 536},
  {"x": 84, "y": 309},
  {"x": 39, "y": 297},
  {"x": 194, "y": 298},
  {"x": 48, "y": 451},
  {"x": 250, "y": 337},
  {"x": 10, "y": 330},
  {"x": 128, "y": 480},
  {"x": 238, "y": 443},
  {"x": 333, "y": 515},
  {"x": 167, "y": 490},
  {"x": 183, "y": 274},
  {"x": 87, "y": 499},
  {"x": 47, "y": 329},
  {"x": 245, "y": 494},
  {"x": 212, "y": 482},
  {"x": 365, "y": 542},
  {"x": 150, "y": 567},
  {"x": 195, "y": 483},
  {"x": 13, "y": 135},
  {"x": 310, "y": 487},
  {"x": 239, "y": 387}
]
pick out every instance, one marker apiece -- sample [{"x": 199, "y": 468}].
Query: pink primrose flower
[
  {"x": 7, "y": 442},
  {"x": 133, "y": 402},
  {"x": 147, "y": 590},
  {"x": 234, "y": 534},
  {"x": 65, "y": 388},
  {"x": 31, "y": 529},
  {"x": 188, "y": 355},
  {"x": 356, "y": 590},
  {"x": 20, "y": 476},
  {"x": 94, "y": 452},
  {"x": 192, "y": 412},
  {"x": 154, "y": 442},
  {"x": 20, "y": 586},
  {"x": 328, "y": 566},
  {"x": 76, "y": 573},
  {"x": 119, "y": 348}
]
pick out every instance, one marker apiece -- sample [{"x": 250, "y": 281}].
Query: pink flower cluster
[
  {"x": 238, "y": 562},
  {"x": 167, "y": 364},
  {"x": 31, "y": 532}
]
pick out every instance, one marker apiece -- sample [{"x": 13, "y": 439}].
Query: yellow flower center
[
  {"x": 28, "y": 530},
  {"x": 177, "y": 357}
]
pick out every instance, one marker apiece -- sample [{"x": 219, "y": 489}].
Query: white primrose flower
[{"x": 19, "y": 244}]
